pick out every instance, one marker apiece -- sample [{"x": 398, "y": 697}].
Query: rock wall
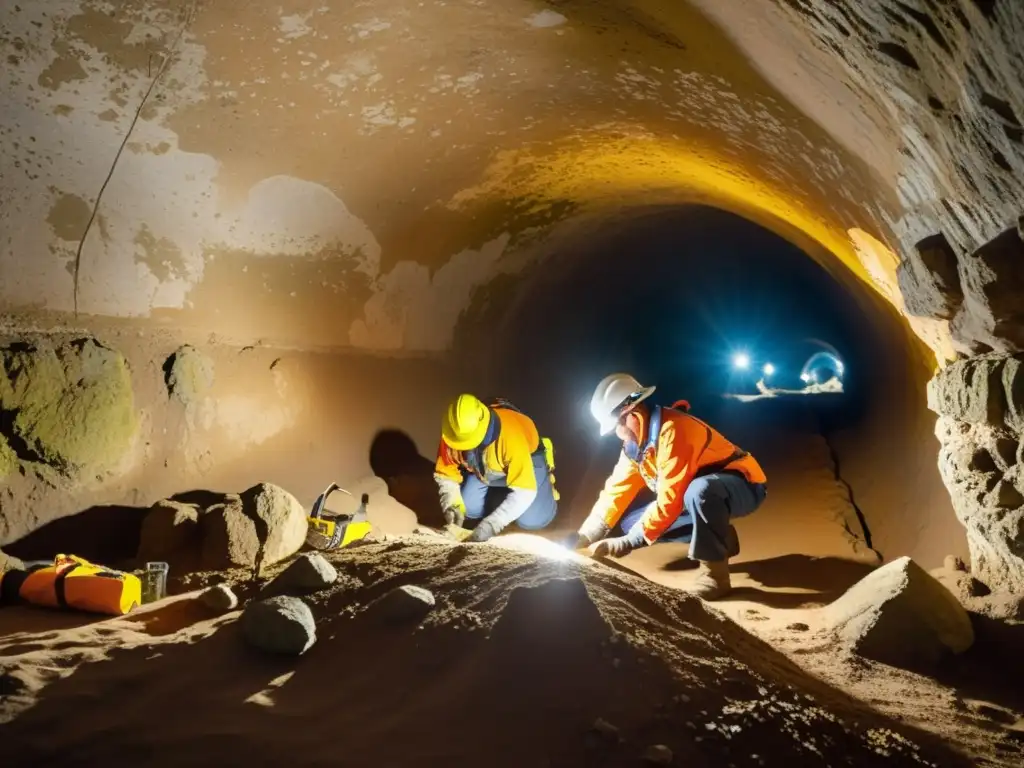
[
  {"x": 108, "y": 424},
  {"x": 980, "y": 402}
]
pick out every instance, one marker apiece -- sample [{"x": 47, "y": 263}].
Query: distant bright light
[
  {"x": 741, "y": 360},
  {"x": 805, "y": 377},
  {"x": 768, "y": 369}
]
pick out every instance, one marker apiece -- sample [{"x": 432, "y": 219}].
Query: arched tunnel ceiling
[{"x": 347, "y": 174}]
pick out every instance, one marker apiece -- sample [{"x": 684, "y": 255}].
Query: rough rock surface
[
  {"x": 928, "y": 279},
  {"x": 308, "y": 572},
  {"x": 168, "y": 528},
  {"x": 279, "y": 625},
  {"x": 406, "y": 603},
  {"x": 219, "y": 597},
  {"x": 280, "y": 521},
  {"x": 72, "y": 405},
  {"x": 980, "y": 402},
  {"x": 229, "y": 537},
  {"x": 189, "y": 375},
  {"x": 902, "y": 616},
  {"x": 265, "y": 525},
  {"x": 992, "y": 315},
  {"x": 8, "y": 458}
]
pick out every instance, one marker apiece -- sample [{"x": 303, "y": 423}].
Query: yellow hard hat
[{"x": 465, "y": 423}]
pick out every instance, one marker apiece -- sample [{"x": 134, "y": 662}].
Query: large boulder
[
  {"x": 901, "y": 616},
  {"x": 993, "y": 282},
  {"x": 169, "y": 530},
  {"x": 283, "y": 625},
  {"x": 928, "y": 279},
  {"x": 970, "y": 390},
  {"x": 280, "y": 519},
  {"x": 229, "y": 538},
  {"x": 264, "y": 526},
  {"x": 72, "y": 406}
]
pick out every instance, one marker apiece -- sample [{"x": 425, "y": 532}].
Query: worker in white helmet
[{"x": 701, "y": 481}]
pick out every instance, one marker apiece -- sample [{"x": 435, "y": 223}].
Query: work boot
[
  {"x": 712, "y": 580},
  {"x": 732, "y": 543}
]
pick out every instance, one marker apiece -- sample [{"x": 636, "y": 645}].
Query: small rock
[
  {"x": 658, "y": 754},
  {"x": 282, "y": 625},
  {"x": 307, "y": 572},
  {"x": 954, "y": 563},
  {"x": 406, "y": 603},
  {"x": 798, "y": 626},
  {"x": 219, "y": 598},
  {"x": 605, "y": 729}
]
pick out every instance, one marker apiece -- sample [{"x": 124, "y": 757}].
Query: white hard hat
[{"x": 617, "y": 394}]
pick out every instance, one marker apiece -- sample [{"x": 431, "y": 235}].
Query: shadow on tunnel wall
[
  {"x": 408, "y": 474},
  {"x": 107, "y": 534}
]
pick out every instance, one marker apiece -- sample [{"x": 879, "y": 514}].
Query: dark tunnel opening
[{"x": 673, "y": 296}]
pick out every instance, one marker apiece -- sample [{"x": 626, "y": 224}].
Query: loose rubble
[
  {"x": 283, "y": 625},
  {"x": 219, "y": 598},
  {"x": 406, "y": 603},
  {"x": 308, "y": 572}
]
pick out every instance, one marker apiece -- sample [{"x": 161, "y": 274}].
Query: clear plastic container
[{"x": 154, "y": 582}]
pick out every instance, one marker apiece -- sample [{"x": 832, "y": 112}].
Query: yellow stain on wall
[
  {"x": 599, "y": 171},
  {"x": 596, "y": 171},
  {"x": 880, "y": 261}
]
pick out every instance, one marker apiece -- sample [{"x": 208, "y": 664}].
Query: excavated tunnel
[
  {"x": 268, "y": 244},
  {"x": 672, "y": 294}
]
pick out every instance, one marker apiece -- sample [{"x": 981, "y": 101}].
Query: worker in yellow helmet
[{"x": 494, "y": 454}]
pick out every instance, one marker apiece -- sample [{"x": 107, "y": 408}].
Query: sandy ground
[{"x": 524, "y": 651}]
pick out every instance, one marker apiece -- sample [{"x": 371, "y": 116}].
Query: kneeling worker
[
  {"x": 701, "y": 480},
  {"x": 494, "y": 449}
]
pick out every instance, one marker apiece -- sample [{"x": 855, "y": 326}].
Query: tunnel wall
[
  {"x": 177, "y": 162},
  {"x": 119, "y": 417},
  {"x": 588, "y": 307},
  {"x": 198, "y": 168}
]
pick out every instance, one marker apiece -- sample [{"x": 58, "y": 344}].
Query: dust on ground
[{"x": 525, "y": 651}]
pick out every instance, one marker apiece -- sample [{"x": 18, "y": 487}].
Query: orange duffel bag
[{"x": 73, "y": 583}]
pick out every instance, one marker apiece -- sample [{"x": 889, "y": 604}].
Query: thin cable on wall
[{"x": 190, "y": 15}]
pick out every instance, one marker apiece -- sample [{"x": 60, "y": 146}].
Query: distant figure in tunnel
[
  {"x": 701, "y": 481},
  {"x": 494, "y": 453}
]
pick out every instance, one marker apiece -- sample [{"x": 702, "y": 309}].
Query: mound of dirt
[
  {"x": 525, "y": 651},
  {"x": 900, "y": 615}
]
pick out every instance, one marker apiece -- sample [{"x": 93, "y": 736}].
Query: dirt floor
[{"x": 532, "y": 656}]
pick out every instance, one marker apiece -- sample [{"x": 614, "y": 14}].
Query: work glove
[
  {"x": 577, "y": 541},
  {"x": 455, "y": 514},
  {"x": 620, "y": 546},
  {"x": 482, "y": 532},
  {"x": 592, "y": 530}
]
